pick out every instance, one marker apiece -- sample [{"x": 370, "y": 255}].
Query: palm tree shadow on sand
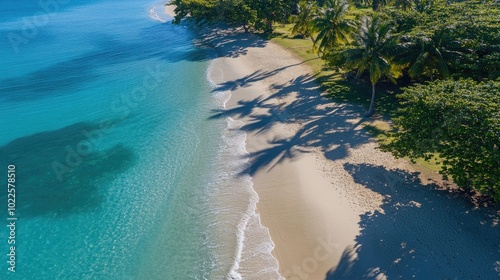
[
  {"x": 397, "y": 241},
  {"x": 421, "y": 232},
  {"x": 333, "y": 128},
  {"x": 228, "y": 41},
  {"x": 39, "y": 190}
]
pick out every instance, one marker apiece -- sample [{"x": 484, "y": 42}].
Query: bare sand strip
[
  {"x": 336, "y": 207},
  {"x": 169, "y": 10}
]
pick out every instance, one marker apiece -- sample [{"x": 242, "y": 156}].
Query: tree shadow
[
  {"x": 270, "y": 157},
  {"x": 331, "y": 127},
  {"x": 38, "y": 159},
  {"x": 248, "y": 80},
  {"x": 358, "y": 91},
  {"x": 228, "y": 41},
  {"x": 420, "y": 232},
  {"x": 245, "y": 108}
]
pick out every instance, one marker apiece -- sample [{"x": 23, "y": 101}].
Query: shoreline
[
  {"x": 284, "y": 179},
  {"x": 252, "y": 256},
  {"x": 254, "y": 245},
  {"x": 325, "y": 191},
  {"x": 169, "y": 9}
]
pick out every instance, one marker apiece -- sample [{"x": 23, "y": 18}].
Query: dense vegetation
[
  {"x": 258, "y": 14},
  {"x": 459, "y": 120},
  {"x": 444, "y": 56}
]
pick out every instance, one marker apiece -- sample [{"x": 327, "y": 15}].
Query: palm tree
[
  {"x": 424, "y": 5},
  {"x": 373, "y": 53},
  {"x": 377, "y": 4},
  {"x": 332, "y": 26},
  {"x": 303, "y": 21},
  {"x": 426, "y": 55},
  {"x": 428, "y": 59},
  {"x": 404, "y": 4}
]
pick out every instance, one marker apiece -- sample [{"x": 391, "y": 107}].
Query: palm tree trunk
[
  {"x": 269, "y": 25},
  {"x": 371, "y": 110}
]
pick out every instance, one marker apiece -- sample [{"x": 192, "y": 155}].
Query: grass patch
[
  {"x": 382, "y": 130},
  {"x": 355, "y": 91},
  {"x": 379, "y": 129},
  {"x": 302, "y": 47},
  {"x": 432, "y": 164},
  {"x": 335, "y": 84},
  {"x": 341, "y": 89}
]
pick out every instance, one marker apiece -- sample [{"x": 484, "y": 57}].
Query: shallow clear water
[{"x": 122, "y": 173}]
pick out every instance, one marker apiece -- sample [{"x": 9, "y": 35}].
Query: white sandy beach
[
  {"x": 336, "y": 207},
  {"x": 169, "y": 10}
]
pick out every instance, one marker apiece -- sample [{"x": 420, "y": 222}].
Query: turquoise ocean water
[{"x": 122, "y": 172}]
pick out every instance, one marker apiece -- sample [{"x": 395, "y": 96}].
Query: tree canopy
[
  {"x": 259, "y": 14},
  {"x": 331, "y": 25},
  {"x": 459, "y": 121},
  {"x": 464, "y": 37},
  {"x": 372, "y": 53},
  {"x": 448, "y": 52}
]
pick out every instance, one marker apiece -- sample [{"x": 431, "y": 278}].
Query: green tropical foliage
[
  {"x": 303, "y": 20},
  {"x": 404, "y": 4},
  {"x": 460, "y": 121},
  {"x": 372, "y": 53},
  {"x": 259, "y": 14},
  {"x": 378, "y": 4},
  {"x": 452, "y": 48},
  {"x": 464, "y": 37},
  {"x": 331, "y": 25},
  {"x": 416, "y": 5},
  {"x": 423, "y": 5},
  {"x": 426, "y": 56}
]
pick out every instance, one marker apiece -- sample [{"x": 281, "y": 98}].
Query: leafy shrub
[{"x": 460, "y": 121}]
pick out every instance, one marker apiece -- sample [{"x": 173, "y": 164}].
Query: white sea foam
[
  {"x": 155, "y": 15},
  {"x": 252, "y": 257}
]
